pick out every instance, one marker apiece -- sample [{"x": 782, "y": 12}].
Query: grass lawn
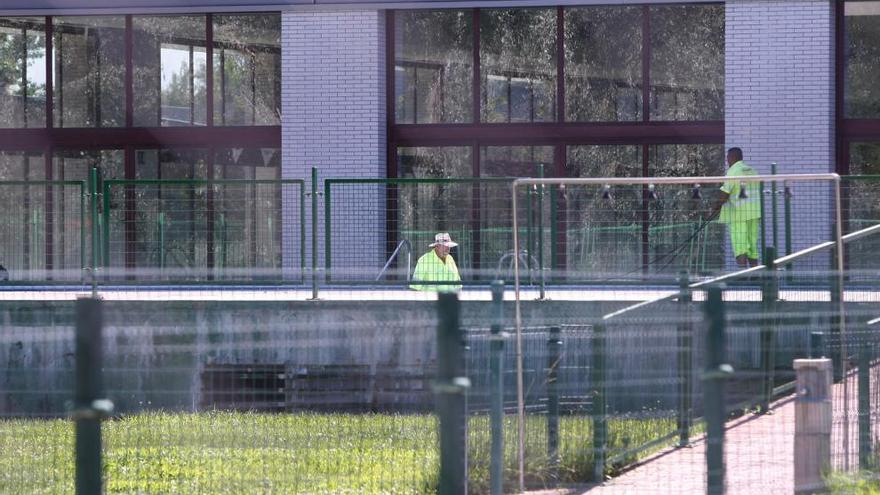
[{"x": 227, "y": 452}]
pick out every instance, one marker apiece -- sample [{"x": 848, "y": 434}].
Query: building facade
[{"x": 269, "y": 89}]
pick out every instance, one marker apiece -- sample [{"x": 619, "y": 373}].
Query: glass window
[
  {"x": 427, "y": 208},
  {"x": 687, "y": 62},
  {"x": 22, "y": 72},
  {"x": 23, "y": 223},
  {"x": 247, "y": 163},
  {"x": 602, "y": 225},
  {"x": 89, "y": 71},
  {"x": 518, "y": 65},
  {"x": 22, "y": 165},
  {"x": 247, "y": 217},
  {"x": 515, "y": 161},
  {"x": 170, "y": 222},
  {"x": 862, "y": 59},
  {"x": 170, "y": 70},
  {"x": 427, "y": 162},
  {"x": 603, "y": 64},
  {"x": 76, "y": 165},
  {"x": 247, "y": 69},
  {"x": 675, "y": 211},
  {"x": 433, "y": 66}
]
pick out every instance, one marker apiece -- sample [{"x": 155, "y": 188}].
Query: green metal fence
[{"x": 194, "y": 230}]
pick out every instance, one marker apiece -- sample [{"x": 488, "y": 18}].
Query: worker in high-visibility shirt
[
  {"x": 740, "y": 208},
  {"x": 437, "y": 268}
]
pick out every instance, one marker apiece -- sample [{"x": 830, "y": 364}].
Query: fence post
[
  {"x": 812, "y": 429},
  {"x": 716, "y": 372},
  {"x": 96, "y": 244},
  {"x": 836, "y": 321},
  {"x": 314, "y": 195},
  {"x": 817, "y": 345},
  {"x": 450, "y": 391},
  {"x": 496, "y": 370},
  {"x": 541, "y": 188},
  {"x": 769, "y": 297},
  {"x": 89, "y": 407},
  {"x": 864, "y": 391},
  {"x": 554, "y": 358},
  {"x": 685, "y": 361},
  {"x": 599, "y": 406}
]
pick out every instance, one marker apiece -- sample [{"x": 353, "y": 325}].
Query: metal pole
[
  {"x": 96, "y": 244},
  {"x": 450, "y": 391},
  {"x": 685, "y": 361},
  {"x": 89, "y": 408},
  {"x": 769, "y": 296},
  {"x": 540, "y": 237},
  {"x": 864, "y": 392},
  {"x": 773, "y": 206},
  {"x": 599, "y": 406},
  {"x": 841, "y": 310},
  {"x": 713, "y": 391},
  {"x": 161, "y": 225},
  {"x": 496, "y": 370},
  {"x": 314, "y": 194},
  {"x": 554, "y": 359},
  {"x": 520, "y": 398}
]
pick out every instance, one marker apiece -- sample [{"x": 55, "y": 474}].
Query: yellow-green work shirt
[
  {"x": 430, "y": 268},
  {"x": 736, "y": 208}
]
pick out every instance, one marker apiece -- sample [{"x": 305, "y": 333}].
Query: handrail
[
  {"x": 675, "y": 180},
  {"x": 779, "y": 262},
  {"x": 400, "y": 245},
  {"x": 874, "y": 321}
]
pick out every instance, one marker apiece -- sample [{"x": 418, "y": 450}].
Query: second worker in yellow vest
[{"x": 740, "y": 208}]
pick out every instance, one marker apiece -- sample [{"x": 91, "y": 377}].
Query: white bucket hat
[{"x": 443, "y": 239}]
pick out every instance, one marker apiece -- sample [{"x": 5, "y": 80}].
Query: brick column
[
  {"x": 779, "y": 84},
  {"x": 333, "y": 98}
]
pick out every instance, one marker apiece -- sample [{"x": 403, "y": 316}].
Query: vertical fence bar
[
  {"x": 769, "y": 296},
  {"x": 450, "y": 393},
  {"x": 314, "y": 194},
  {"x": 599, "y": 406},
  {"x": 713, "y": 390},
  {"x": 540, "y": 237},
  {"x": 864, "y": 393},
  {"x": 786, "y": 205},
  {"x": 817, "y": 345},
  {"x": 160, "y": 224},
  {"x": 83, "y": 197},
  {"x": 88, "y": 405},
  {"x": 95, "y": 219},
  {"x": 554, "y": 358},
  {"x": 775, "y": 220},
  {"x": 105, "y": 191},
  {"x": 302, "y": 230},
  {"x": 685, "y": 361},
  {"x": 496, "y": 375}
]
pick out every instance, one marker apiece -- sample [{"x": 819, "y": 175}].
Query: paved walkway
[{"x": 758, "y": 453}]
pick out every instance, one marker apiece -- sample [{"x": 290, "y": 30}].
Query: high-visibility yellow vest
[
  {"x": 430, "y": 268},
  {"x": 738, "y": 208}
]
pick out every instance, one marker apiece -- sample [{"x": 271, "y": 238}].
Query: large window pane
[
  {"x": 433, "y": 66},
  {"x": 496, "y": 214},
  {"x": 170, "y": 70},
  {"x": 427, "y": 208},
  {"x": 89, "y": 71},
  {"x": 861, "y": 193},
  {"x": 603, "y": 231},
  {"x": 170, "y": 225},
  {"x": 687, "y": 62},
  {"x": 23, "y": 223},
  {"x": 427, "y": 162},
  {"x": 603, "y": 64},
  {"x": 678, "y": 240},
  {"x": 518, "y": 65},
  {"x": 247, "y": 69},
  {"x": 77, "y": 165},
  {"x": 862, "y": 59},
  {"x": 22, "y": 72}
]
